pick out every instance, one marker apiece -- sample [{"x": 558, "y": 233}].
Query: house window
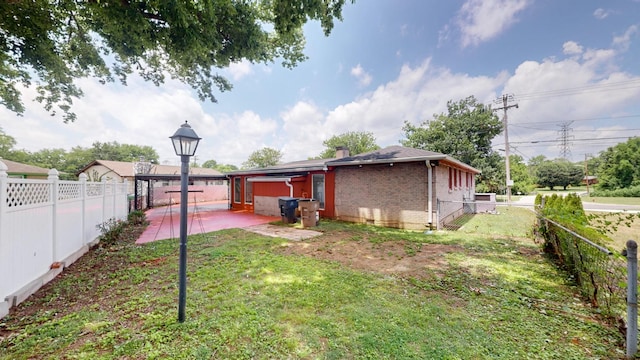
[
  {"x": 460, "y": 179},
  {"x": 455, "y": 178},
  {"x": 317, "y": 188},
  {"x": 248, "y": 191},
  {"x": 450, "y": 179},
  {"x": 236, "y": 190}
]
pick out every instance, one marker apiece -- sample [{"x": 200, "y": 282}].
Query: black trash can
[{"x": 288, "y": 206}]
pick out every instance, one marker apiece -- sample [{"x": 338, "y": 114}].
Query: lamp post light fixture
[{"x": 185, "y": 142}]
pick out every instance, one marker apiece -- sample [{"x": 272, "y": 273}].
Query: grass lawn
[
  {"x": 613, "y": 200},
  {"x": 624, "y": 231},
  {"x": 355, "y": 292}
]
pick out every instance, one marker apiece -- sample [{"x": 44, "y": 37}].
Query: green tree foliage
[
  {"x": 619, "y": 166},
  {"x": 212, "y": 164},
  {"x": 78, "y": 157},
  {"x": 523, "y": 182},
  {"x": 533, "y": 163},
  {"x": 52, "y": 43},
  {"x": 357, "y": 142},
  {"x": 464, "y": 132},
  {"x": 7, "y": 143},
  {"x": 123, "y": 152},
  {"x": 262, "y": 158},
  {"x": 50, "y": 159},
  {"x": 558, "y": 173}
]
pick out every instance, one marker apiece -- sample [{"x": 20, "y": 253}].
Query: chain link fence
[{"x": 452, "y": 215}]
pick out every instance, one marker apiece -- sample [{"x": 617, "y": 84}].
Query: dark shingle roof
[
  {"x": 387, "y": 155},
  {"x": 390, "y": 153},
  {"x": 398, "y": 153}
]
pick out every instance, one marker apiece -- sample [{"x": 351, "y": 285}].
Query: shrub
[
  {"x": 633, "y": 191},
  {"x": 110, "y": 230},
  {"x": 137, "y": 217}
]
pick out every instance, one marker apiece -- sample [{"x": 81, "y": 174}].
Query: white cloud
[
  {"x": 572, "y": 48},
  {"x": 304, "y": 130},
  {"x": 363, "y": 77},
  {"x": 482, "y": 20},
  {"x": 622, "y": 42},
  {"x": 240, "y": 69},
  {"x": 601, "y": 13}
]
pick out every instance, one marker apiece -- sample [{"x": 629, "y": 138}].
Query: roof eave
[
  {"x": 276, "y": 171},
  {"x": 387, "y": 161}
]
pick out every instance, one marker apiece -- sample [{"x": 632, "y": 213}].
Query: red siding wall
[{"x": 302, "y": 187}]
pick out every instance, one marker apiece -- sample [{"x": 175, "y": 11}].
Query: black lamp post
[{"x": 185, "y": 142}]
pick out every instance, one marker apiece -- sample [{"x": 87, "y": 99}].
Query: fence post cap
[
  {"x": 3, "y": 169},
  {"x": 632, "y": 244},
  {"x": 83, "y": 177},
  {"x": 53, "y": 174}
]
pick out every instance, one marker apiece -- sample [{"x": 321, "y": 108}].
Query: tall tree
[
  {"x": 123, "y": 152},
  {"x": 464, "y": 132},
  {"x": 52, "y": 43},
  {"x": 357, "y": 142},
  {"x": 523, "y": 182},
  {"x": 558, "y": 173},
  {"x": 263, "y": 158},
  {"x": 620, "y": 166}
]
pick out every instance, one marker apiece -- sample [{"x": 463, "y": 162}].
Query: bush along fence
[
  {"x": 45, "y": 225},
  {"x": 581, "y": 249}
]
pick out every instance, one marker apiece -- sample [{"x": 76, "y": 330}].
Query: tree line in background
[
  {"x": 464, "y": 132},
  {"x": 69, "y": 163}
]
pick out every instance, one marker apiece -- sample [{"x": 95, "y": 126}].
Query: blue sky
[{"x": 571, "y": 63}]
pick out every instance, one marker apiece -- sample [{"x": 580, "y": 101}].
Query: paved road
[{"x": 527, "y": 201}]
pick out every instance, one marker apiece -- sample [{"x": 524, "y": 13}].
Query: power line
[
  {"x": 574, "y": 140},
  {"x": 621, "y": 85}
]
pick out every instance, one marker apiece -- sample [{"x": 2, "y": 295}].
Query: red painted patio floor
[{"x": 164, "y": 222}]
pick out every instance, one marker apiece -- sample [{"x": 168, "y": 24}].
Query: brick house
[{"x": 395, "y": 186}]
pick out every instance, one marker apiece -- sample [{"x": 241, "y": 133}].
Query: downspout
[
  {"x": 287, "y": 182},
  {"x": 429, "y": 194}
]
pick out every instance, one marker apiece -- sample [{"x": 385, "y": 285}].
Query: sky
[{"x": 572, "y": 67}]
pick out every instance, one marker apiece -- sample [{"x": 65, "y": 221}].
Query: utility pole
[
  {"x": 586, "y": 173},
  {"x": 505, "y": 100}
]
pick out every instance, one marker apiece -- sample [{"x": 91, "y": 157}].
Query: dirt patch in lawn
[{"x": 403, "y": 258}]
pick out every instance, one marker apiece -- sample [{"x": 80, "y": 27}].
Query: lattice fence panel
[
  {"x": 94, "y": 189},
  {"x": 22, "y": 194},
  {"x": 67, "y": 191}
]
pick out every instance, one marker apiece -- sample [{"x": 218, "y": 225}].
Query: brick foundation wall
[{"x": 384, "y": 195}]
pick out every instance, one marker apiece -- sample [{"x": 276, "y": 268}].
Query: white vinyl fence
[{"x": 45, "y": 225}]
